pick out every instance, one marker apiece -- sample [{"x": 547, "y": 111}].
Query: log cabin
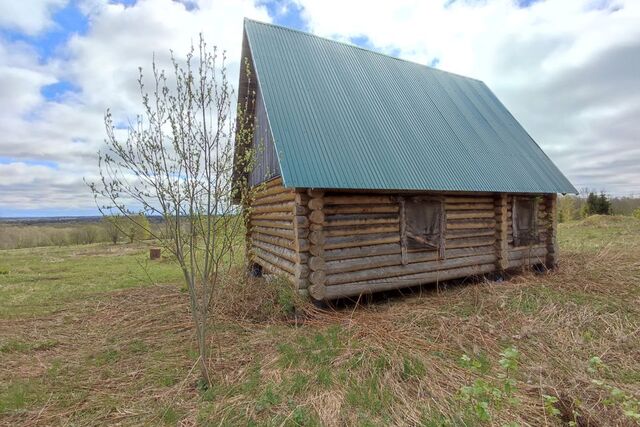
[{"x": 375, "y": 173}]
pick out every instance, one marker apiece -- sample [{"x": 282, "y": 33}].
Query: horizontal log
[
  {"x": 279, "y": 216},
  {"x": 526, "y": 262},
  {"x": 274, "y": 240},
  {"x": 361, "y": 251},
  {"x": 279, "y": 251},
  {"x": 459, "y": 224},
  {"x": 357, "y": 199},
  {"x": 469, "y": 232},
  {"x": 372, "y": 262},
  {"x": 270, "y": 191},
  {"x": 403, "y": 270},
  {"x": 361, "y": 229},
  {"x": 345, "y": 220},
  {"x": 279, "y": 232},
  {"x": 285, "y": 225},
  {"x": 470, "y": 214},
  {"x": 274, "y": 182},
  {"x": 274, "y": 264},
  {"x": 277, "y": 207},
  {"x": 364, "y": 240},
  {"x": 276, "y": 198},
  {"x": 454, "y": 200},
  {"x": 360, "y": 209},
  {"x": 353, "y": 289},
  {"x": 468, "y": 206},
  {"x": 470, "y": 242},
  {"x": 533, "y": 252}
]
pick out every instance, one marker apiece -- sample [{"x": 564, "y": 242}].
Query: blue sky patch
[
  {"x": 285, "y": 13},
  {"x": 56, "y": 91},
  {"x": 67, "y": 21},
  {"x": 31, "y": 162}
]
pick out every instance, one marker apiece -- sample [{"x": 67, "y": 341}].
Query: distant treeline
[
  {"x": 577, "y": 207},
  {"x": 29, "y": 233}
]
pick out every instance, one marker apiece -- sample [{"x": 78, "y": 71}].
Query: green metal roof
[{"x": 349, "y": 118}]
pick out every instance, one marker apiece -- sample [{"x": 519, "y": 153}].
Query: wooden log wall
[
  {"x": 362, "y": 251},
  {"x": 343, "y": 244},
  {"x": 276, "y": 223}
]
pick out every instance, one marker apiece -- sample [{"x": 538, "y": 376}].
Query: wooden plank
[
  {"x": 354, "y": 289},
  {"x": 403, "y": 270}
]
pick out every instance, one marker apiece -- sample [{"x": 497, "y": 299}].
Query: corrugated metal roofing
[{"x": 345, "y": 117}]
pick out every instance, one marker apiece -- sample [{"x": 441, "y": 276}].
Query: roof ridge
[{"x": 358, "y": 47}]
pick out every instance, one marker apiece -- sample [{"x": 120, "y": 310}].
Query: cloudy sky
[{"x": 569, "y": 71}]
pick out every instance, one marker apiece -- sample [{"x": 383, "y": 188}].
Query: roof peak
[{"x": 343, "y": 43}]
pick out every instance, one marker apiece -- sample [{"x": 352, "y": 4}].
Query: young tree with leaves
[{"x": 176, "y": 162}]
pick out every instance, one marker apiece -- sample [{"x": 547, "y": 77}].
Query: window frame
[
  {"x": 534, "y": 232},
  {"x": 427, "y": 247}
]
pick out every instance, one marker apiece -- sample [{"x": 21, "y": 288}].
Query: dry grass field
[{"x": 95, "y": 335}]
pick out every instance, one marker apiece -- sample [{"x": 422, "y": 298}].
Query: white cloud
[
  {"x": 568, "y": 70},
  {"x": 28, "y": 16},
  {"x": 103, "y": 66}
]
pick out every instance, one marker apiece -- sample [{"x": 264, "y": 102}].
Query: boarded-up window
[
  {"x": 423, "y": 224},
  {"x": 525, "y": 221}
]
